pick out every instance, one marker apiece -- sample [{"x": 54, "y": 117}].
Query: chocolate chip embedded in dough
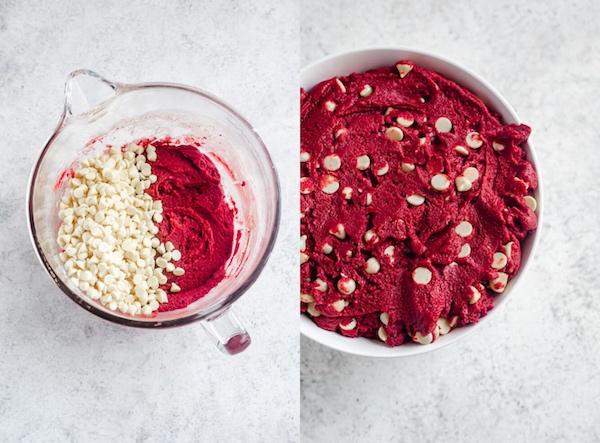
[
  {"x": 443, "y": 124},
  {"x": 474, "y": 140},
  {"x": 463, "y": 184},
  {"x": 332, "y": 162},
  {"x": 366, "y": 91},
  {"x": 500, "y": 260},
  {"x": 440, "y": 182},
  {"x": 394, "y": 133},
  {"x": 464, "y": 229},
  {"x": 421, "y": 276},
  {"x": 403, "y": 69},
  {"x": 415, "y": 199},
  {"x": 531, "y": 202}
]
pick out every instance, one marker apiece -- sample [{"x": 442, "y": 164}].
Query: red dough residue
[
  {"x": 64, "y": 177},
  {"x": 349, "y": 125},
  {"x": 196, "y": 219}
]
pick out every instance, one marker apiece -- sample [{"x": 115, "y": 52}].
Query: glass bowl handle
[
  {"x": 227, "y": 332},
  {"x": 87, "y": 92}
]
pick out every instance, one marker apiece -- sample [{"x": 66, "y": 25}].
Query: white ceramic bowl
[{"x": 360, "y": 60}]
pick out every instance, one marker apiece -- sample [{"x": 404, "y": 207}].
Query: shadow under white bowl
[{"x": 361, "y": 60}]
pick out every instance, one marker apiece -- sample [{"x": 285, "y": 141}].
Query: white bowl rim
[{"x": 373, "y": 348}]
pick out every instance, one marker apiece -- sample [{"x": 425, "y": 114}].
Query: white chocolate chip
[
  {"x": 349, "y": 326},
  {"x": 464, "y": 229},
  {"x": 415, "y": 199},
  {"x": 471, "y": 173},
  {"x": 517, "y": 179},
  {"x": 349, "y": 254},
  {"x": 382, "y": 334},
  {"x": 347, "y": 193},
  {"x": 339, "y": 305},
  {"x": 161, "y": 296},
  {"x": 383, "y": 170},
  {"x": 422, "y": 276},
  {"x": 407, "y": 167},
  {"x": 306, "y": 298},
  {"x": 498, "y": 284},
  {"x": 405, "y": 122},
  {"x": 175, "y": 288},
  {"x": 329, "y": 184},
  {"x": 465, "y": 251},
  {"x": 312, "y": 310},
  {"x": 440, "y": 182},
  {"x": 372, "y": 266},
  {"x": 443, "y": 326},
  {"x": 320, "y": 285},
  {"x": 346, "y": 285},
  {"x": 530, "y": 202},
  {"x": 330, "y": 106},
  {"x": 306, "y": 185},
  {"x": 508, "y": 249},
  {"x": 303, "y": 258},
  {"x": 363, "y": 162},
  {"x": 303, "y": 243},
  {"x": 369, "y": 199},
  {"x": 327, "y": 248},
  {"x": 339, "y": 132},
  {"x": 371, "y": 237},
  {"x": 366, "y": 91},
  {"x": 341, "y": 85},
  {"x": 394, "y": 133},
  {"x": 304, "y": 157},
  {"x": 443, "y": 124},
  {"x": 332, "y": 162},
  {"x": 500, "y": 260},
  {"x": 153, "y": 281},
  {"x": 462, "y": 150},
  {"x": 474, "y": 140},
  {"x": 389, "y": 251},
  {"x": 498, "y": 146},
  {"x": 423, "y": 339},
  {"x": 475, "y": 295},
  {"x": 339, "y": 231},
  {"x": 384, "y": 318},
  {"x": 463, "y": 184},
  {"x": 178, "y": 272},
  {"x": 403, "y": 69}
]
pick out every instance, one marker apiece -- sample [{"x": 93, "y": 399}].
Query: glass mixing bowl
[{"x": 99, "y": 114}]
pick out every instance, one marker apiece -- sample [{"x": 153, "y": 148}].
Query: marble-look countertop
[
  {"x": 68, "y": 376},
  {"x": 531, "y": 373}
]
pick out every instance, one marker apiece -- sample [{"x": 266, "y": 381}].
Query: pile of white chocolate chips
[{"x": 108, "y": 232}]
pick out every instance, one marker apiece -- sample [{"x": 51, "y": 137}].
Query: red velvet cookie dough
[
  {"x": 415, "y": 198},
  {"x": 196, "y": 219}
]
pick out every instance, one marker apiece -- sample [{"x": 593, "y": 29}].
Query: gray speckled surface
[
  {"x": 531, "y": 374},
  {"x": 68, "y": 376}
]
